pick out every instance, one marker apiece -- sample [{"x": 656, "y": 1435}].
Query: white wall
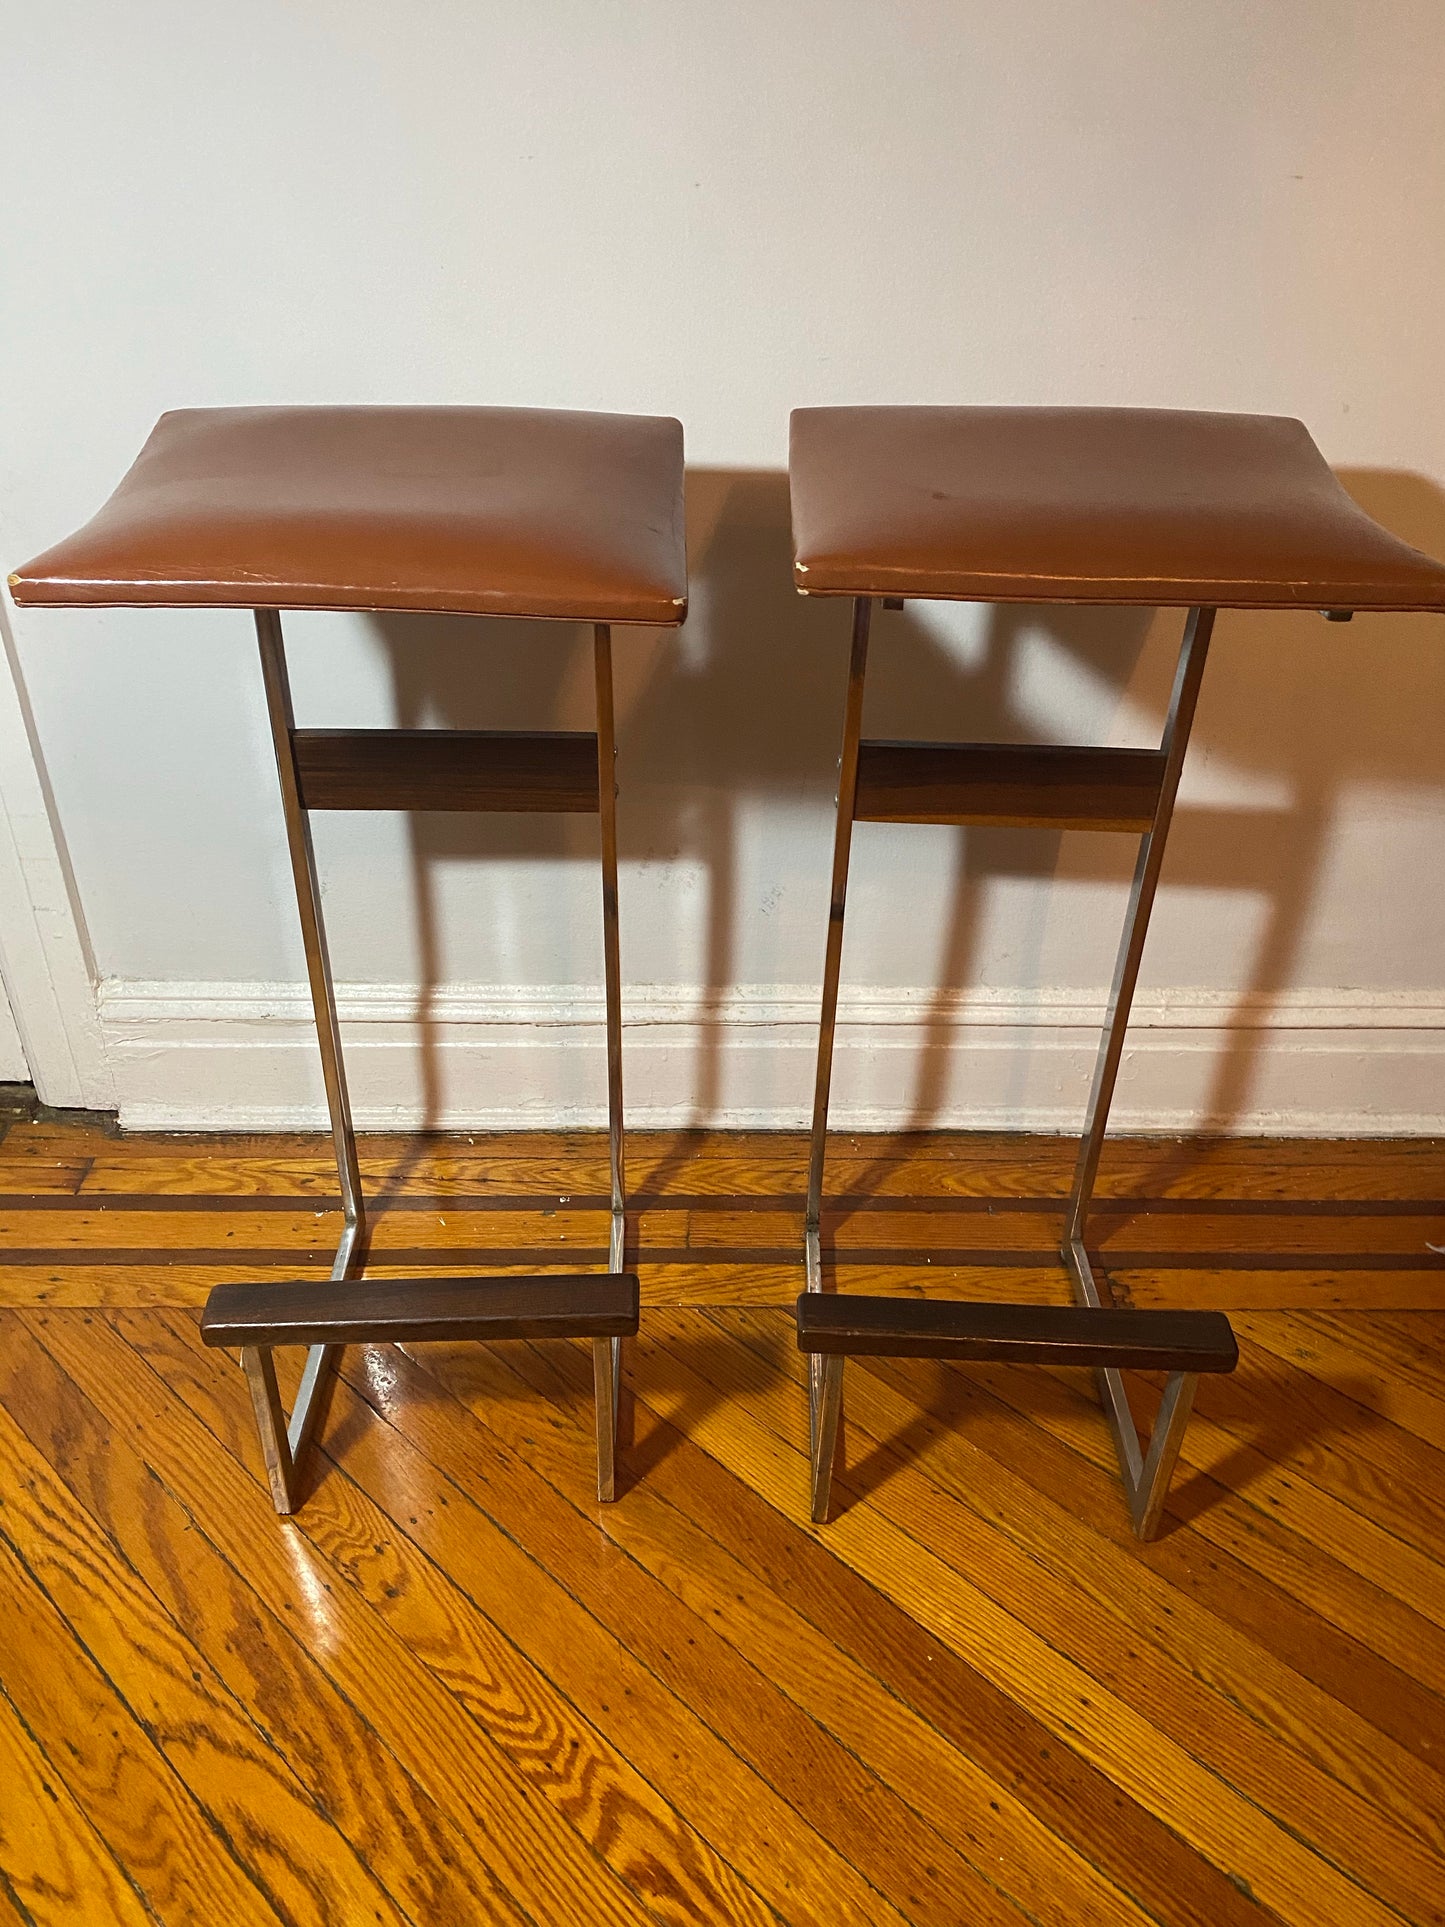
[{"x": 723, "y": 212}]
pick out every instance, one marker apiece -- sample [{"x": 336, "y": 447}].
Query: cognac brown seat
[
  {"x": 1163, "y": 507},
  {"x": 470, "y": 511}
]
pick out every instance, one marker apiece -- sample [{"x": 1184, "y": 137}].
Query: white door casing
[
  {"x": 13, "y": 1067},
  {"x": 49, "y": 974}
]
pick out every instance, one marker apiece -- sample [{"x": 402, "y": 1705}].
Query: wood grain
[
  {"x": 454, "y": 1689},
  {"x": 1008, "y": 1442},
  {"x": 413, "y": 1844},
  {"x": 355, "y": 1311},
  {"x": 1077, "y": 1335},
  {"x": 41, "y": 1174},
  {"x": 1159, "y": 1772},
  {"x": 446, "y": 769},
  {"x": 531, "y": 1611},
  {"x": 459, "y": 1760},
  {"x": 171, "y": 1848},
  {"x": 1267, "y": 1541},
  {"x": 984, "y": 1725},
  {"x": 1193, "y": 1656},
  {"x": 463, "y": 1762},
  {"x": 248, "y": 1792},
  {"x": 1152, "y": 1665},
  {"x": 793, "y": 1868},
  {"x": 1008, "y": 785},
  {"x": 52, "y": 1860},
  {"x": 943, "y": 1784}
]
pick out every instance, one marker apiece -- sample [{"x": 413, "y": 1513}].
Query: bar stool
[
  {"x": 1055, "y": 505},
  {"x": 470, "y": 511}
]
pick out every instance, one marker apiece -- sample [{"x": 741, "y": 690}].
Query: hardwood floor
[{"x": 455, "y": 1689}]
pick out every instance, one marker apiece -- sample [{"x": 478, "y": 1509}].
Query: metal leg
[
  {"x": 607, "y": 1353},
  {"x": 308, "y": 904},
  {"x": 606, "y": 1381},
  {"x": 1187, "y": 677},
  {"x": 322, "y": 1360},
  {"x": 833, "y": 959},
  {"x": 1148, "y": 1493},
  {"x": 612, "y": 961},
  {"x": 825, "y": 1405},
  {"x": 260, "y": 1370},
  {"x": 1145, "y": 1481}
]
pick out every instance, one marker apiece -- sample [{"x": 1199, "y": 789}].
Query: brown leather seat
[
  {"x": 1110, "y": 505},
  {"x": 475, "y": 511}
]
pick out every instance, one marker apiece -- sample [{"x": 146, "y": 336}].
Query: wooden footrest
[
  {"x": 395, "y": 1310},
  {"x": 446, "y": 769},
  {"x": 1009, "y": 785},
  {"x": 1167, "y": 1341}
]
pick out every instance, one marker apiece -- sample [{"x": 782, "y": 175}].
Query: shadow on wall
[{"x": 746, "y": 703}]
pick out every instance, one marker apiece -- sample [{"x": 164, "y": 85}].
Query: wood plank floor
[{"x": 455, "y": 1689}]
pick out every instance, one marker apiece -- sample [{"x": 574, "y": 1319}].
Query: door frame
[{"x": 45, "y": 956}]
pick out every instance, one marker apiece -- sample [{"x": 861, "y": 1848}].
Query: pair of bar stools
[{"x": 578, "y": 518}]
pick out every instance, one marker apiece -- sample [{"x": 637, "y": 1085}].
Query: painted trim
[
  {"x": 45, "y": 958},
  {"x": 241, "y": 1056},
  {"x": 13, "y": 1067}
]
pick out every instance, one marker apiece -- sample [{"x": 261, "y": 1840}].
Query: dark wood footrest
[
  {"x": 446, "y": 769},
  {"x": 1169, "y": 1341},
  {"x": 578, "y": 1305},
  {"x": 1009, "y": 785}
]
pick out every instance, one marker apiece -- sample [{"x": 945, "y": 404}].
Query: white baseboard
[{"x": 239, "y": 1056}]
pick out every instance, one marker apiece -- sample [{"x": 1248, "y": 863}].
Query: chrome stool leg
[
  {"x": 1145, "y": 1493},
  {"x": 825, "y": 1407},
  {"x": 1150, "y": 1489},
  {"x": 608, "y": 1372},
  {"x": 606, "y": 1387},
  {"x": 833, "y": 956},
  {"x": 283, "y": 1466}
]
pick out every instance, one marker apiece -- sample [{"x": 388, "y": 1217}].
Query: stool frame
[
  {"x": 1072, "y": 788},
  {"x": 435, "y": 769}
]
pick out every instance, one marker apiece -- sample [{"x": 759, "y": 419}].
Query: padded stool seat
[
  {"x": 1166, "y": 507},
  {"x": 469, "y": 511}
]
